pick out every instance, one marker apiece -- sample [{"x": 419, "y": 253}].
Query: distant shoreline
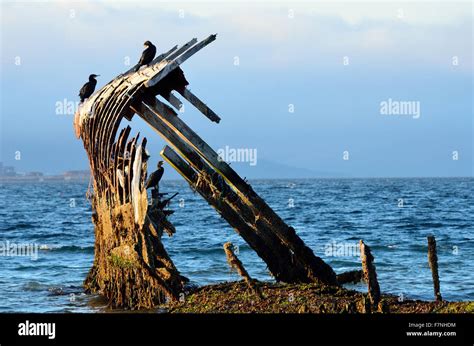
[
  {"x": 40, "y": 179},
  {"x": 61, "y": 178}
]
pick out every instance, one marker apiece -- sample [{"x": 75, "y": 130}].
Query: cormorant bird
[
  {"x": 88, "y": 88},
  {"x": 147, "y": 55},
  {"x": 155, "y": 177}
]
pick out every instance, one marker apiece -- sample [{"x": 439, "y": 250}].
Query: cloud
[{"x": 289, "y": 32}]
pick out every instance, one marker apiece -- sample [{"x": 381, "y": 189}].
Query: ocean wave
[
  {"x": 198, "y": 253},
  {"x": 34, "y": 286},
  {"x": 68, "y": 248},
  {"x": 431, "y": 224},
  {"x": 65, "y": 290},
  {"x": 19, "y": 225},
  {"x": 22, "y": 267}
]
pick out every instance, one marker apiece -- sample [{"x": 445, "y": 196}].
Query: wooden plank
[
  {"x": 192, "y": 139},
  {"x": 202, "y": 148},
  {"x": 163, "y": 56},
  {"x": 182, "y": 58},
  {"x": 166, "y": 132},
  {"x": 162, "y": 73},
  {"x": 181, "y": 50},
  {"x": 178, "y": 164},
  {"x": 196, "y": 142},
  {"x": 174, "y": 101},
  {"x": 163, "y": 108},
  {"x": 201, "y": 106},
  {"x": 196, "y": 48}
]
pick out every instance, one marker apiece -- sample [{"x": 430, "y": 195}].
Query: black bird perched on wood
[
  {"x": 88, "y": 88},
  {"x": 147, "y": 55},
  {"x": 153, "y": 182},
  {"x": 155, "y": 177}
]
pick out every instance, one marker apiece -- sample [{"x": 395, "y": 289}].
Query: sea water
[{"x": 392, "y": 216}]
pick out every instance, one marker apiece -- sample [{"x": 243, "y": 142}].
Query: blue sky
[{"x": 290, "y": 54}]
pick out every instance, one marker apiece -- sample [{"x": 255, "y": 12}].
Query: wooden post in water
[
  {"x": 433, "y": 262},
  {"x": 236, "y": 264},
  {"x": 370, "y": 276}
]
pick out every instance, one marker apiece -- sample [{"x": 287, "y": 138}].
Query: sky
[{"x": 300, "y": 84}]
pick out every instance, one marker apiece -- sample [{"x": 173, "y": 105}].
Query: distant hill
[{"x": 266, "y": 169}]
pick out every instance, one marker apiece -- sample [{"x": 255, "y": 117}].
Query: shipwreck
[{"x": 131, "y": 266}]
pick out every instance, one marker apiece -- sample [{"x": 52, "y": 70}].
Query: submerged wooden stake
[
  {"x": 236, "y": 264},
  {"x": 433, "y": 261},
  {"x": 370, "y": 276}
]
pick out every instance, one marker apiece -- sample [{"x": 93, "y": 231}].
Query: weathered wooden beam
[
  {"x": 163, "y": 56},
  {"x": 178, "y": 164},
  {"x": 294, "y": 266},
  {"x": 196, "y": 48},
  {"x": 162, "y": 108},
  {"x": 370, "y": 275},
  {"x": 288, "y": 268},
  {"x": 201, "y": 106},
  {"x": 174, "y": 101},
  {"x": 182, "y": 58},
  {"x": 176, "y": 127},
  {"x": 229, "y": 214},
  {"x": 433, "y": 262},
  {"x": 279, "y": 260},
  {"x": 199, "y": 145},
  {"x": 286, "y": 233},
  {"x": 164, "y": 131},
  {"x": 182, "y": 49}
]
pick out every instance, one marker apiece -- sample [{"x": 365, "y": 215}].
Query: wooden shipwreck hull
[{"x": 131, "y": 266}]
